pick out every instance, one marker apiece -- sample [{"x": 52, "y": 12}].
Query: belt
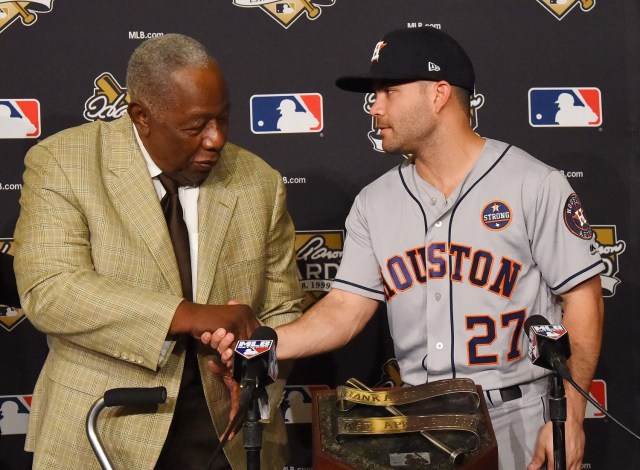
[
  {"x": 526, "y": 391},
  {"x": 510, "y": 393}
]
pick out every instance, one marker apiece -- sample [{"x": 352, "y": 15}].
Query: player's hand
[
  {"x": 224, "y": 372},
  {"x": 196, "y": 319},
  {"x": 574, "y": 446},
  {"x": 222, "y": 342}
]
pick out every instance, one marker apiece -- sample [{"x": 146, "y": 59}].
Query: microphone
[
  {"x": 549, "y": 348},
  {"x": 254, "y": 362},
  {"x": 548, "y": 345}
]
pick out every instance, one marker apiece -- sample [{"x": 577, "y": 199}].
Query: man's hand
[
  {"x": 224, "y": 372},
  {"x": 574, "y": 446},
  {"x": 195, "y": 319},
  {"x": 222, "y": 342}
]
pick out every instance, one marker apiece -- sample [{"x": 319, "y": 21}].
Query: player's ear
[
  {"x": 441, "y": 94},
  {"x": 139, "y": 114}
]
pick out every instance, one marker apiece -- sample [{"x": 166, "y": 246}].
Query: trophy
[{"x": 435, "y": 426}]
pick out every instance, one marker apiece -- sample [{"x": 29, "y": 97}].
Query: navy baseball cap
[{"x": 415, "y": 54}]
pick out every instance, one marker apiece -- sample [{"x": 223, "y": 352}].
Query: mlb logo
[
  {"x": 252, "y": 348},
  {"x": 565, "y": 107},
  {"x": 598, "y": 392},
  {"x": 297, "y": 403},
  {"x": 14, "y": 414},
  {"x": 553, "y": 332},
  {"x": 286, "y": 114},
  {"x": 19, "y": 119}
]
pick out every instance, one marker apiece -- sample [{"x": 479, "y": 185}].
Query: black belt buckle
[{"x": 510, "y": 393}]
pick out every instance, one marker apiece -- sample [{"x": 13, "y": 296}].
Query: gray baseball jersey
[{"x": 461, "y": 275}]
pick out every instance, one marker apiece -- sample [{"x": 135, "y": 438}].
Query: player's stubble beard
[{"x": 408, "y": 131}]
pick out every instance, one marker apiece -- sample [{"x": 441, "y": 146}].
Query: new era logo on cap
[{"x": 433, "y": 67}]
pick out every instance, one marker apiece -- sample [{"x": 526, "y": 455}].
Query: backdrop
[{"x": 63, "y": 63}]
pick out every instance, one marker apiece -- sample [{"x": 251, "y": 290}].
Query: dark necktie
[
  {"x": 191, "y": 437},
  {"x": 178, "y": 230}
]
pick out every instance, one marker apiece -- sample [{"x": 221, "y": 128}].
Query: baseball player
[{"x": 463, "y": 241}]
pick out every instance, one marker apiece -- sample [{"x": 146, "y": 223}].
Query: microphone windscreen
[
  {"x": 535, "y": 320},
  {"x": 265, "y": 332}
]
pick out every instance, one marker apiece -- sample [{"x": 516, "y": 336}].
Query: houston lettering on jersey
[{"x": 461, "y": 263}]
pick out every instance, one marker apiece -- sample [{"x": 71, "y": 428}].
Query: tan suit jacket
[{"x": 97, "y": 273}]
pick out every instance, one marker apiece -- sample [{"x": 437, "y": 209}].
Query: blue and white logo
[
  {"x": 285, "y": 114},
  {"x": 565, "y": 107}
]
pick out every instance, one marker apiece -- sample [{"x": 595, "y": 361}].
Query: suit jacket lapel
[
  {"x": 132, "y": 193},
  {"x": 215, "y": 210}
]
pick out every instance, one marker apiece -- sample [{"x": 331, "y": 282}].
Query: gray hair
[{"x": 153, "y": 61}]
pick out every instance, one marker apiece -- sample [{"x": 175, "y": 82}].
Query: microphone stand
[
  {"x": 558, "y": 413},
  {"x": 252, "y": 431}
]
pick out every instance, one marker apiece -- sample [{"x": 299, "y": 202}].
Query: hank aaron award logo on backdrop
[
  {"x": 476, "y": 101},
  {"x": 610, "y": 248},
  {"x": 10, "y": 317},
  {"x": 26, "y": 12},
  {"x": 560, "y": 8},
  {"x": 318, "y": 256},
  {"x": 286, "y": 12},
  {"x": 109, "y": 100}
]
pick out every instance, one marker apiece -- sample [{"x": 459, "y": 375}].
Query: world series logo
[
  {"x": 25, "y": 12},
  {"x": 560, "y": 8},
  {"x": 318, "y": 256},
  {"x": 288, "y": 11}
]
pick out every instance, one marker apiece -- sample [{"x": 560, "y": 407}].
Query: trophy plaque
[{"x": 436, "y": 426}]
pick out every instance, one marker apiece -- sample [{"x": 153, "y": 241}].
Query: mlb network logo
[
  {"x": 14, "y": 414},
  {"x": 565, "y": 107},
  {"x": 285, "y": 114},
  {"x": 19, "y": 119}
]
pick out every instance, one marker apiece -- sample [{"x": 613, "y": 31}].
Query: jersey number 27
[{"x": 510, "y": 323}]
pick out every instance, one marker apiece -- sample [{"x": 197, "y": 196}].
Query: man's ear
[
  {"x": 140, "y": 117},
  {"x": 442, "y": 94}
]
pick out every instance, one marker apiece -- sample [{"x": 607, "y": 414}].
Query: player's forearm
[
  {"x": 330, "y": 324},
  {"x": 583, "y": 318}
]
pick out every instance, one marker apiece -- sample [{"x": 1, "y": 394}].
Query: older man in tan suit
[{"x": 98, "y": 274}]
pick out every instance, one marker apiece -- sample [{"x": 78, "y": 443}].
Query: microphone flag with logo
[
  {"x": 255, "y": 366},
  {"x": 549, "y": 345}
]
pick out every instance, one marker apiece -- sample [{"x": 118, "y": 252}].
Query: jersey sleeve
[
  {"x": 359, "y": 271},
  {"x": 562, "y": 242}
]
